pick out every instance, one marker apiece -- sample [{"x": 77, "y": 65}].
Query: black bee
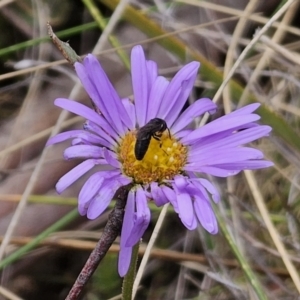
[{"x": 154, "y": 128}]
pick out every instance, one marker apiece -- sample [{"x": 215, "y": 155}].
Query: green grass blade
[
  {"x": 61, "y": 34},
  {"x": 23, "y": 250},
  {"x": 252, "y": 278}
]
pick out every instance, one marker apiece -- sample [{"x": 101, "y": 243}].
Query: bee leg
[
  {"x": 157, "y": 137},
  {"x": 169, "y": 132}
]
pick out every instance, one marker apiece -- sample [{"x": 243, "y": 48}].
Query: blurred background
[{"x": 259, "y": 212}]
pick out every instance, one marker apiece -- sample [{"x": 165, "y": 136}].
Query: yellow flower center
[{"x": 163, "y": 159}]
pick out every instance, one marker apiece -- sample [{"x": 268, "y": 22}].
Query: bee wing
[{"x": 144, "y": 136}]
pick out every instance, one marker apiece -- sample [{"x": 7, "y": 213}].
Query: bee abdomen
[{"x": 141, "y": 147}]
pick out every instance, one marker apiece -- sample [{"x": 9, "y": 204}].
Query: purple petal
[
  {"x": 74, "y": 174},
  {"x": 248, "y": 109},
  {"x": 104, "y": 138},
  {"x": 89, "y": 86},
  {"x": 78, "y": 109},
  {"x": 202, "y": 193},
  {"x": 224, "y": 156},
  {"x": 92, "y": 76},
  {"x": 83, "y": 151},
  {"x": 178, "y": 92},
  {"x": 147, "y": 193},
  {"x": 130, "y": 108},
  {"x": 103, "y": 198},
  {"x": 152, "y": 73},
  {"x": 171, "y": 196},
  {"x": 139, "y": 83},
  {"x": 89, "y": 138},
  {"x": 156, "y": 95},
  {"x": 110, "y": 158},
  {"x": 77, "y": 141},
  {"x": 142, "y": 218},
  {"x": 91, "y": 187},
  {"x": 181, "y": 182},
  {"x": 183, "y": 133},
  {"x": 88, "y": 191},
  {"x": 211, "y": 189},
  {"x": 234, "y": 140},
  {"x": 219, "y": 125},
  {"x": 186, "y": 211},
  {"x": 206, "y": 215},
  {"x": 185, "y": 204},
  {"x": 158, "y": 195},
  {"x": 85, "y": 112},
  {"x": 191, "y": 188},
  {"x": 107, "y": 100},
  {"x": 198, "y": 108},
  {"x": 124, "y": 180},
  {"x": 218, "y": 172},
  {"x": 162, "y": 113},
  {"x": 63, "y": 137},
  {"x": 246, "y": 165},
  {"x": 207, "y": 140},
  {"x": 125, "y": 252}
]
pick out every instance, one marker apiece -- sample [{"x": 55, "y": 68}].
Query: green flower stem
[
  {"x": 23, "y": 250},
  {"x": 102, "y": 22},
  {"x": 208, "y": 70},
  {"x": 130, "y": 276},
  {"x": 252, "y": 278}
]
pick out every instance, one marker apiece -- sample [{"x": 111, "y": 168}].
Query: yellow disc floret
[{"x": 163, "y": 160}]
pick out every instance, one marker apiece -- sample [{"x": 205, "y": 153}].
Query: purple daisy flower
[{"x": 175, "y": 160}]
